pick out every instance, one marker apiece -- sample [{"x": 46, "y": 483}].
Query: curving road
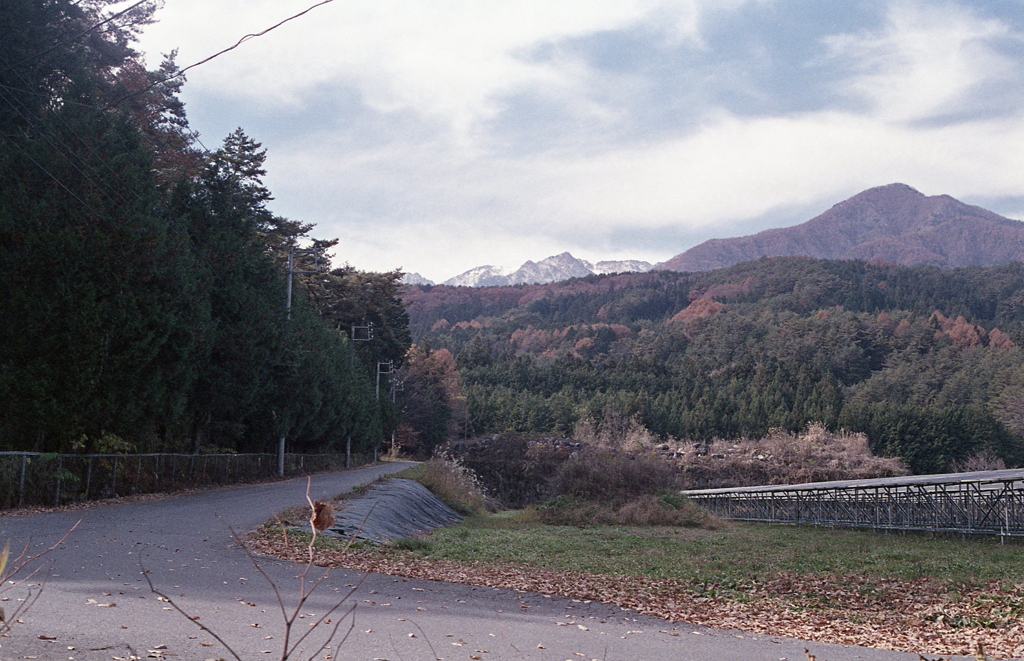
[{"x": 96, "y": 604}]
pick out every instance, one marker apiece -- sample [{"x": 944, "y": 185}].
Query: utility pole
[
  {"x": 356, "y": 336},
  {"x": 383, "y": 368},
  {"x": 359, "y": 334},
  {"x": 292, "y": 251},
  {"x": 396, "y": 386}
]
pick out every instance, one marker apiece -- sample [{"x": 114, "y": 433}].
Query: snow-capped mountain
[
  {"x": 481, "y": 276},
  {"x": 415, "y": 279},
  {"x": 553, "y": 269},
  {"x": 622, "y": 266}
]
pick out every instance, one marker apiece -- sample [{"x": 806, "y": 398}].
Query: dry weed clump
[
  {"x": 980, "y": 461},
  {"x": 816, "y": 455},
  {"x": 612, "y": 478},
  {"x": 605, "y": 487},
  {"x": 515, "y": 469},
  {"x": 615, "y": 432},
  {"x": 455, "y": 484}
]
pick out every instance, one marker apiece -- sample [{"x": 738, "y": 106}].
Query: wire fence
[
  {"x": 32, "y": 478},
  {"x": 986, "y": 503}
]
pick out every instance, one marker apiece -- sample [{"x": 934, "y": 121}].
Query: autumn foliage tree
[{"x": 433, "y": 407}]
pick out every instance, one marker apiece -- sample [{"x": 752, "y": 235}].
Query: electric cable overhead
[
  {"x": 51, "y": 175},
  {"x": 105, "y": 189},
  {"x": 181, "y": 72}
]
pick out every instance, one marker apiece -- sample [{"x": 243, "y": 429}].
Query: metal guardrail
[
  {"x": 33, "y": 478},
  {"x": 988, "y": 503}
]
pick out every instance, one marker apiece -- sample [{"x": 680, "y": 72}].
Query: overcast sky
[{"x": 441, "y": 135}]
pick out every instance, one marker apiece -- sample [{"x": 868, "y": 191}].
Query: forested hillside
[
  {"x": 142, "y": 280},
  {"x": 925, "y": 361}
]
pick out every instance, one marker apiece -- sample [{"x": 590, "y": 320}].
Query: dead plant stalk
[
  {"x": 19, "y": 572},
  {"x": 321, "y": 517}
]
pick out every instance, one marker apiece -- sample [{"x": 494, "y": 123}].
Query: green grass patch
[{"x": 734, "y": 554}]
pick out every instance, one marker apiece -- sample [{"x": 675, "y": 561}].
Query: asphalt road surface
[{"x": 97, "y": 605}]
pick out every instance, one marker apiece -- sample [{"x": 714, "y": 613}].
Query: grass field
[
  {"x": 914, "y": 592},
  {"x": 735, "y": 552}
]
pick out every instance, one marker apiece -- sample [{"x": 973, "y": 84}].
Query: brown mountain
[{"x": 893, "y": 223}]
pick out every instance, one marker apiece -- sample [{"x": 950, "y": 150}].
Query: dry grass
[
  {"x": 602, "y": 486},
  {"x": 615, "y": 432},
  {"x": 816, "y": 455},
  {"x": 455, "y": 484}
]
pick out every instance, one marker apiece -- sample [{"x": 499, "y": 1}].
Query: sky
[{"x": 440, "y": 135}]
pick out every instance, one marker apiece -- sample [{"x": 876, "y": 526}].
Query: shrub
[
  {"x": 514, "y": 469},
  {"x": 612, "y": 478},
  {"x": 816, "y": 455},
  {"x": 455, "y": 484}
]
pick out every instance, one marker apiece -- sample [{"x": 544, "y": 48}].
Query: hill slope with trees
[{"x": 926, "y": 362}]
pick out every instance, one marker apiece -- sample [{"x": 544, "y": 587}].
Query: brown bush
[
  {"x": 514, "y": 469},
  {"x": 980, "y": 461},
  {"x": 816, "y": 455},
  {"x": 612, "y": 478},
  {"x": 456, "y": 485}
]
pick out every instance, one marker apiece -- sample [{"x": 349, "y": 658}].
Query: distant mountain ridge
[
  {"x": 553, "y": 269},
  {"x": 893, "y": 223}
]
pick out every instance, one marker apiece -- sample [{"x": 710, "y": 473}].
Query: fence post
[
  {"x": 114, "y": 480},
  {"x": 88, "y": 478},
  {"x": 21, "y": 486},
  {"x": 60, "y": 468}
]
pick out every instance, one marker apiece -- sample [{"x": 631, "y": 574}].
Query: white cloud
[
  {"x": 924, "y": 61},
  {"x": 421, "y": 179}
]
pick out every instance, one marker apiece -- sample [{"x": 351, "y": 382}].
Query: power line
[
  {"x": 51, "y": 175},
  {"x": 179, "y": 74},
  {"x": 241, "y": 41}
]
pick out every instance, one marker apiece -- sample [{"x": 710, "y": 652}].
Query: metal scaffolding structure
[{"x": 989, "y": 503}]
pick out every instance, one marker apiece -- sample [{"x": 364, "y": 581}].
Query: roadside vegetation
[{"x": 926, "y": 594}]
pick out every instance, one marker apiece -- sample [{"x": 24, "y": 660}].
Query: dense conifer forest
[
  {"x": 926, "y": 362},
  {"x": 142, "y": 279}
]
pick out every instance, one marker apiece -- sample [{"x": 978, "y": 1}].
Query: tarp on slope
[{"x": 391, "y": 510}]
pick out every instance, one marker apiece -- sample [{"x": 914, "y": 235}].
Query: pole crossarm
[{"x": 987, "y": 503}]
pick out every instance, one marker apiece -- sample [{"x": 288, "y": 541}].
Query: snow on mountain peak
[{"x": 552, "y": 269}]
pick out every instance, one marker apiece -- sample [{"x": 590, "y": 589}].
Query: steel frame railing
[{"x": 990, "y": 503}]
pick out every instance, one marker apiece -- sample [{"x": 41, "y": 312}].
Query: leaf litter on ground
[{"x": 921, "y": 615}]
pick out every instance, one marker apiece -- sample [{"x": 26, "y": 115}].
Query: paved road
[{"x": 97, "y": 605}]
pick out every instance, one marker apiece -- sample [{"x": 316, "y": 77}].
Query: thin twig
[{"x": 188, "y": 617}]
